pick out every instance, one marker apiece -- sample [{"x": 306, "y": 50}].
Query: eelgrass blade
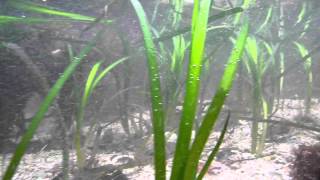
[
  {"x": 308, "y": 68},
  {"x": 252, "y": 50},
  {"x": 29, "y": 6},
  {"x": 33, "y": 7},
  {"x": 215, "y": 149},
  {"x": 107, "y": 70},
  {"x": 245, "y": 5},
  {"x": 198, "y": 35},
  {"x": 281, "y": 68},
  {"x": 216, "y": 104},
  {"x": 212, "y": 18},
  {"x": 92, "y": 82},
  {"x": 266, "y": 20},
  {"x": 29, "y": 20},
  {"x": 37, "y": 119},
  {"x": 253, "y": 64},
  {"x": 302, "y": 12},
  {"x": 177, "y": 6},
  {"x": 80, "y": 114},
  {"x": 156, "y": 98}
]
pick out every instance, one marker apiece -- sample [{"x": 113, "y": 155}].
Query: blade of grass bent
[
  {"x": 198, "y": 32},
  {"x": 92, "y": 82},
  {"x": 216, "y": 104},
  {"x": 13, "y": 19},
  {"x": 188, "y": 28},
  {"x": 29, "y": 20},
  {"x": 267, "y": 19},
  {"x": 156, "y": 98},
  {"x": 107, "y": 70},
  {"x": 29, "y": 6},
  {"x": 80, "y": 115},
  {"x": 37, "y": 119},
  {"x": 215, "y": 149}
]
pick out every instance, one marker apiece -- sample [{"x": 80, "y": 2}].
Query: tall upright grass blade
[
  {"x": 198, "y": 36},
  {"x": 253, "y": 64},
  {"x": 308, "y": 68},
  {"x": 80, "y": 114},
  {"x": 215, "y": 149},
  {"x": 282, "y": 69},
  {"x": 156, "y": 98},
  {"x": 216, "y": 104},
  {"x": 179, "y": 48},
  {"x": 37, "y": 119}
]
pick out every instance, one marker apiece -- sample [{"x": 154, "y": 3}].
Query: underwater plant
[
  {"x": 186, "y": 158},
  {"x": 38, "y": 117},
  {"x": 92, "y": 82},
  {"x": 267, "y": 62}
]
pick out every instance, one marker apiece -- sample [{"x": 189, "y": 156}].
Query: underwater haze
[{"x": 159, "y": 89}]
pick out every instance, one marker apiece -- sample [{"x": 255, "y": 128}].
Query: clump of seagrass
[{"x": 307, "y": 163}]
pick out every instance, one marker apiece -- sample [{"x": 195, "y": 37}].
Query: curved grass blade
[
  {"x": 216, "y": 104},
  {"x": 156, "y": 98},
  {"x": 308, "y": 68},
  {"x": 188, "y": 28},
  {"x": 302, "y": 12},
  {"x": 215, "y": 149},
  {"x": 266, "y": 20},
  {"x": 106, "y": 71},
  {"x": 80, "y": 114},
  {"x": 33, "y": 7},
  {"x": 92, "y": 82},
  {"x": 198, "y": 31},
  {"x": 37, "y": 119}
]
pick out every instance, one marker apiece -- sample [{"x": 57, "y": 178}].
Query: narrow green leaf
[
  {"x": 80, "y": 115},
  {"x": 106, "y": 71},
  {"x": 69, "y": 17},
  {"x": 92, "y": 82},
  {"x": 302, "y": 12},
  {"x": 304, "y": 51},
  {"x": 28, "y": 20},
  {"x": 266, "y": 20},
  {"x": 215, "y": 149},
  {"x": 282, "y": 68},
  {"x": 198, "y": 36},
  {"x": 29, "y": 6},
  {"x": 188, "y": 28},
  {"x": 216, "y": 104},
  {"x": 37, "y": 119},
  {"x": 156, "y": 98},
  {"x": 252, "y": 49}
]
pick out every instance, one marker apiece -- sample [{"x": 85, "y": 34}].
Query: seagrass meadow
[{"x": 159, "y": 89}]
